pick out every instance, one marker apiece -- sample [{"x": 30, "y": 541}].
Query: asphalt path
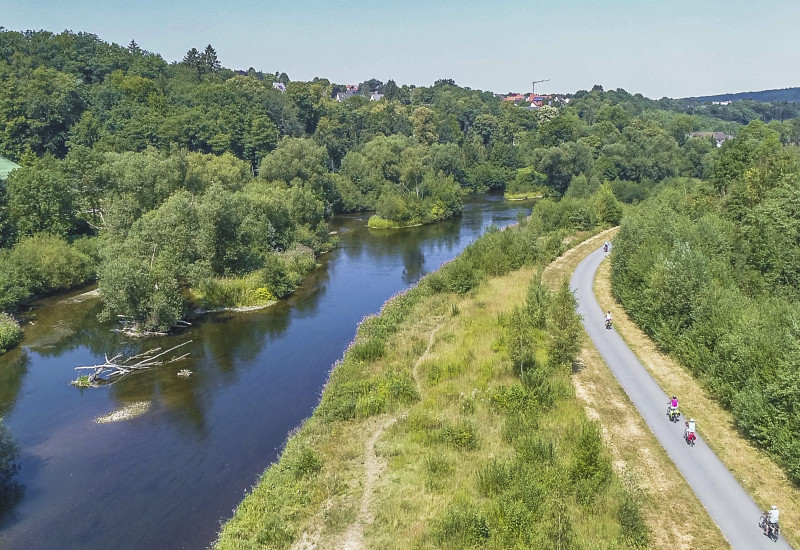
[{"x": 729, "y": 506}]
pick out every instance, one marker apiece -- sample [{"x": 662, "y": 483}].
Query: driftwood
[{"x": 118, "y": 366}]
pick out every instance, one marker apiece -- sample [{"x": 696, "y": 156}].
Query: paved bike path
[{"x": 727, "y": 503}]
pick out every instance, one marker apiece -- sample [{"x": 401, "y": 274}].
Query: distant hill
[{"x": 791, "y": 95}]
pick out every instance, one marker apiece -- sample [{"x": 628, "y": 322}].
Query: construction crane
[{"x": 535, "y": 82}]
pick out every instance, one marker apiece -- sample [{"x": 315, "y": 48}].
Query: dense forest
[
  {"x": 711, "y": 270},
  {"x": 188, "y": 185},
  {"x": 791, "y": 95}
]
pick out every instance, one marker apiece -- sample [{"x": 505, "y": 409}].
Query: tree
[
  {"x": 192, "y": 58},
  {"x": 306, "y": 97},
  {"x": 260, "y": 138},
  {"x": 40, "y": 199},
  {"x": 390, "y": 90},
  {"x": 294, "y": 158},
  {"x": 520, "y": 342},
  {"x": 208, "y": 60},
  {"x": 537, "y": 302},
  {"x": 607, "y": 208},
  {"x": 754, "y": 142},
  {"x": 424, "y": 121},
  {"x": 680, "y": 127},
  {"x": 561, "y": 163},
  {"x": 486, "y": 127},
  {"x": 371, "y": 85},
  {"x": 564, "y": 328}
]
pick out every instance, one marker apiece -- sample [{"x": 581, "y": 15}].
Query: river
[{"x": 167, "y": 478}]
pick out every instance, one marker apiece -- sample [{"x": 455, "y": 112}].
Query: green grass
[
  {"x": 232, "y": 292},
  {"x": 533, "y": 194},
  {"x": 258, "y": 288},
  {"x": 476, "y": 456},
  {"x": 376, "y": 222}
]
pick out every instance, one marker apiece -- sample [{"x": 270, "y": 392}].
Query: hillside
[{"x": 791, "y": 95}]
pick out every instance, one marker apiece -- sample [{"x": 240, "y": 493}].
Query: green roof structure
[{"x": 6, "y": 166}]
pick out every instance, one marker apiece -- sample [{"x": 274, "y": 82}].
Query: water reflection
[
  {"x": 183, "y": 466},
  {"x": 11, "y": 491},
  {"x": 12, "y": 371}
]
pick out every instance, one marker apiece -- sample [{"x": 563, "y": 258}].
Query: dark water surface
[{"x": 167, "y": 479}]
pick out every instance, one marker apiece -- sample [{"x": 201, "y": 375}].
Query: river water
[{"x": 168, "y": 478}]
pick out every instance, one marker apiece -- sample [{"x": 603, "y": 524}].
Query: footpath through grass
[{"x": 481, "y": 443}]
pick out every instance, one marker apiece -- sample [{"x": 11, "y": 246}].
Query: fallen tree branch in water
[{"x": 118, "y": 366}]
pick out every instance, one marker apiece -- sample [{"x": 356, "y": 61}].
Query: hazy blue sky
[{"x": 656, "y": 48}]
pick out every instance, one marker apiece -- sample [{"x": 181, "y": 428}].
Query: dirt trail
[{"x": 374, "y": 466}]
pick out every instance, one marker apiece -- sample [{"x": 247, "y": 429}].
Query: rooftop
[{"x": 6, "y": 166}]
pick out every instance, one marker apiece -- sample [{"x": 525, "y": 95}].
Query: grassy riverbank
[{"x": 427, "y": 435}]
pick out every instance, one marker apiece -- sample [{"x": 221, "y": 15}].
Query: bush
[
  {"x": 461, "y": 276},
  {"x": 10, "y": 332},
  {"x": 634, "y": 528},
  {"x": 306, "y": 462},
  {"x": 463, "y": 524},
  {"x": 462, "y": 435},
  {"x": 368, "y": 350},
  {"x": 494, "y": 477},
  {"x": 43, "y": 263}
]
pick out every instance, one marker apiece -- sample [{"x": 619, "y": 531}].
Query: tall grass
[{"x": 516, "y": 450}]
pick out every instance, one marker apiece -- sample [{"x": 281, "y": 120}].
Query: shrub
[
  {"x": 461, "y": 276},
  {"x": 462, "y": 435},
  {"x": 10, "y": 332},
  {"x": 463, "y": 524},
  {"x": 634, "y": 528},
  {"x": 591, "y": 469},
  {"x": 40, "y": 264},
  {"x": 494, "y": 477},
  {"x": 306, "y": 462},
  {"x": 368, "y": 350}
]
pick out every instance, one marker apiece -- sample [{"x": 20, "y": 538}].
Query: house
[
  {"x": 516, "y": 98},
  {"x": 537, "y": 99},
  {"x": 280, "y": 86},
  {"x": 341, "y": 96},
  {"x": 375, "y": 96},
  {"x": 718, "y": 137},
  {"x": 6, "y": 166}
]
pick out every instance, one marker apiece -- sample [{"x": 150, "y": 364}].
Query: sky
[{"x": 657, "y": 48}]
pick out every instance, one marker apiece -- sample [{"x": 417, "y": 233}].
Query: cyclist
[{"x": 771, "y": 525}]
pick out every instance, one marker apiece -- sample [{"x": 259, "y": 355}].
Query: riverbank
[
  {"x": 427, "y": 437},
  {"x": 523, "y": 196},
  {"x": 206, "y": 438}
]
